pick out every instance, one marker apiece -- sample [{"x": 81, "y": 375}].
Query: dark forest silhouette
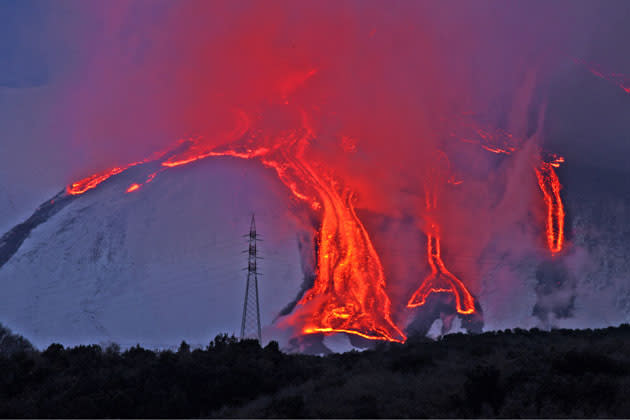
[{"x": 517, "y": 373}]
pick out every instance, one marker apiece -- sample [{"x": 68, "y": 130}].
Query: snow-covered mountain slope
[
  {"x": 164, "y": 263},
  {"x": 598, "y": 204},
  {"x": 588, "y": 284},
  {"x": 155, "y": 266}
]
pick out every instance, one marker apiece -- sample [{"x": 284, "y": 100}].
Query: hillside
[
  {"x": 165, "y": 262},
  {"x": 152, "y": 267}
]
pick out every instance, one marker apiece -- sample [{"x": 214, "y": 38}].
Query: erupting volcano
[
  {"x": 406, "y": 165},
  {"x": 351, "y": 126},
  {"x": 349, "y": 291}
]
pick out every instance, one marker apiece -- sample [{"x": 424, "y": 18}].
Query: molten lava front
[
  {"x": 93, "y": 181},
  {"x": 550, "y": 187},
  {"x": 502, "y": 142},
  {"x": 441, "y": 280},
  {"x": 349, "y": 290},
  {"x": 133, "y": 187}
]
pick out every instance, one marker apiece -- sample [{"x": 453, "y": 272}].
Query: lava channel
[{"x": 440, "y": 280}]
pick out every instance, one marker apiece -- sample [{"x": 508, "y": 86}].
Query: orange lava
[
  {"x": 349, "y": 290},
  {"x": 196, "y": 149},
  {"x": 498, "y": 150},
  {"x": 93, "y": 181},
  {"x": 133, "y": 187},
  {"x": 550, "y": 186},
  {"x": 333, "y": 330},
  {"x": 350, "y": 283},
  {"x": 501, "y": 142},
  {"x": 441, "y": 280}
]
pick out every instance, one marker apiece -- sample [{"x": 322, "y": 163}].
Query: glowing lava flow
[
  {"x": 349, "y": 290},
  {"x": 550, "y": 186},
  {"x": 93, "y": 181},
  {"x": 441, "y": 280},
  {"x": 348, "y": 294},
  {"x": 196, "y": 149},
  {"x": 501, "y": 142},
  {"x": 133, "y": 187},
  {"x": 350, "y": 276},
  {"x": 618, "y": 79}
]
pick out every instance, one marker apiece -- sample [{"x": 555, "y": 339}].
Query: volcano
[
  {"x": 397, "y": 192},
  {"x": 153, "y": 267},
  {"x": 163, "y": 263}
]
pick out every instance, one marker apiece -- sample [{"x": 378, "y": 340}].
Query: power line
[{"x": 250, "y": 324}]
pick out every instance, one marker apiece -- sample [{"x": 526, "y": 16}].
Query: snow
[
  {"x": 165, "y": 263},
  {"x": 157, "y": 266}
]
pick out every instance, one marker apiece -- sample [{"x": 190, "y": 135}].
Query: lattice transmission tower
[{"x": 250, "y": 325}]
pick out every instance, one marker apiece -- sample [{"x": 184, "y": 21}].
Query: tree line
[{"x": 512, "y": 373}]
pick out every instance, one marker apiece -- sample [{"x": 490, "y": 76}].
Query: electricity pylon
[{"x": 250, "y": 325}]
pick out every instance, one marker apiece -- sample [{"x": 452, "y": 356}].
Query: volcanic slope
[
  {"x": 155, "y": 266},
  {"x": 164, "y": 263},
  {"x": 598, "y": 201},
  {"x": 584, "y": 286}
]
